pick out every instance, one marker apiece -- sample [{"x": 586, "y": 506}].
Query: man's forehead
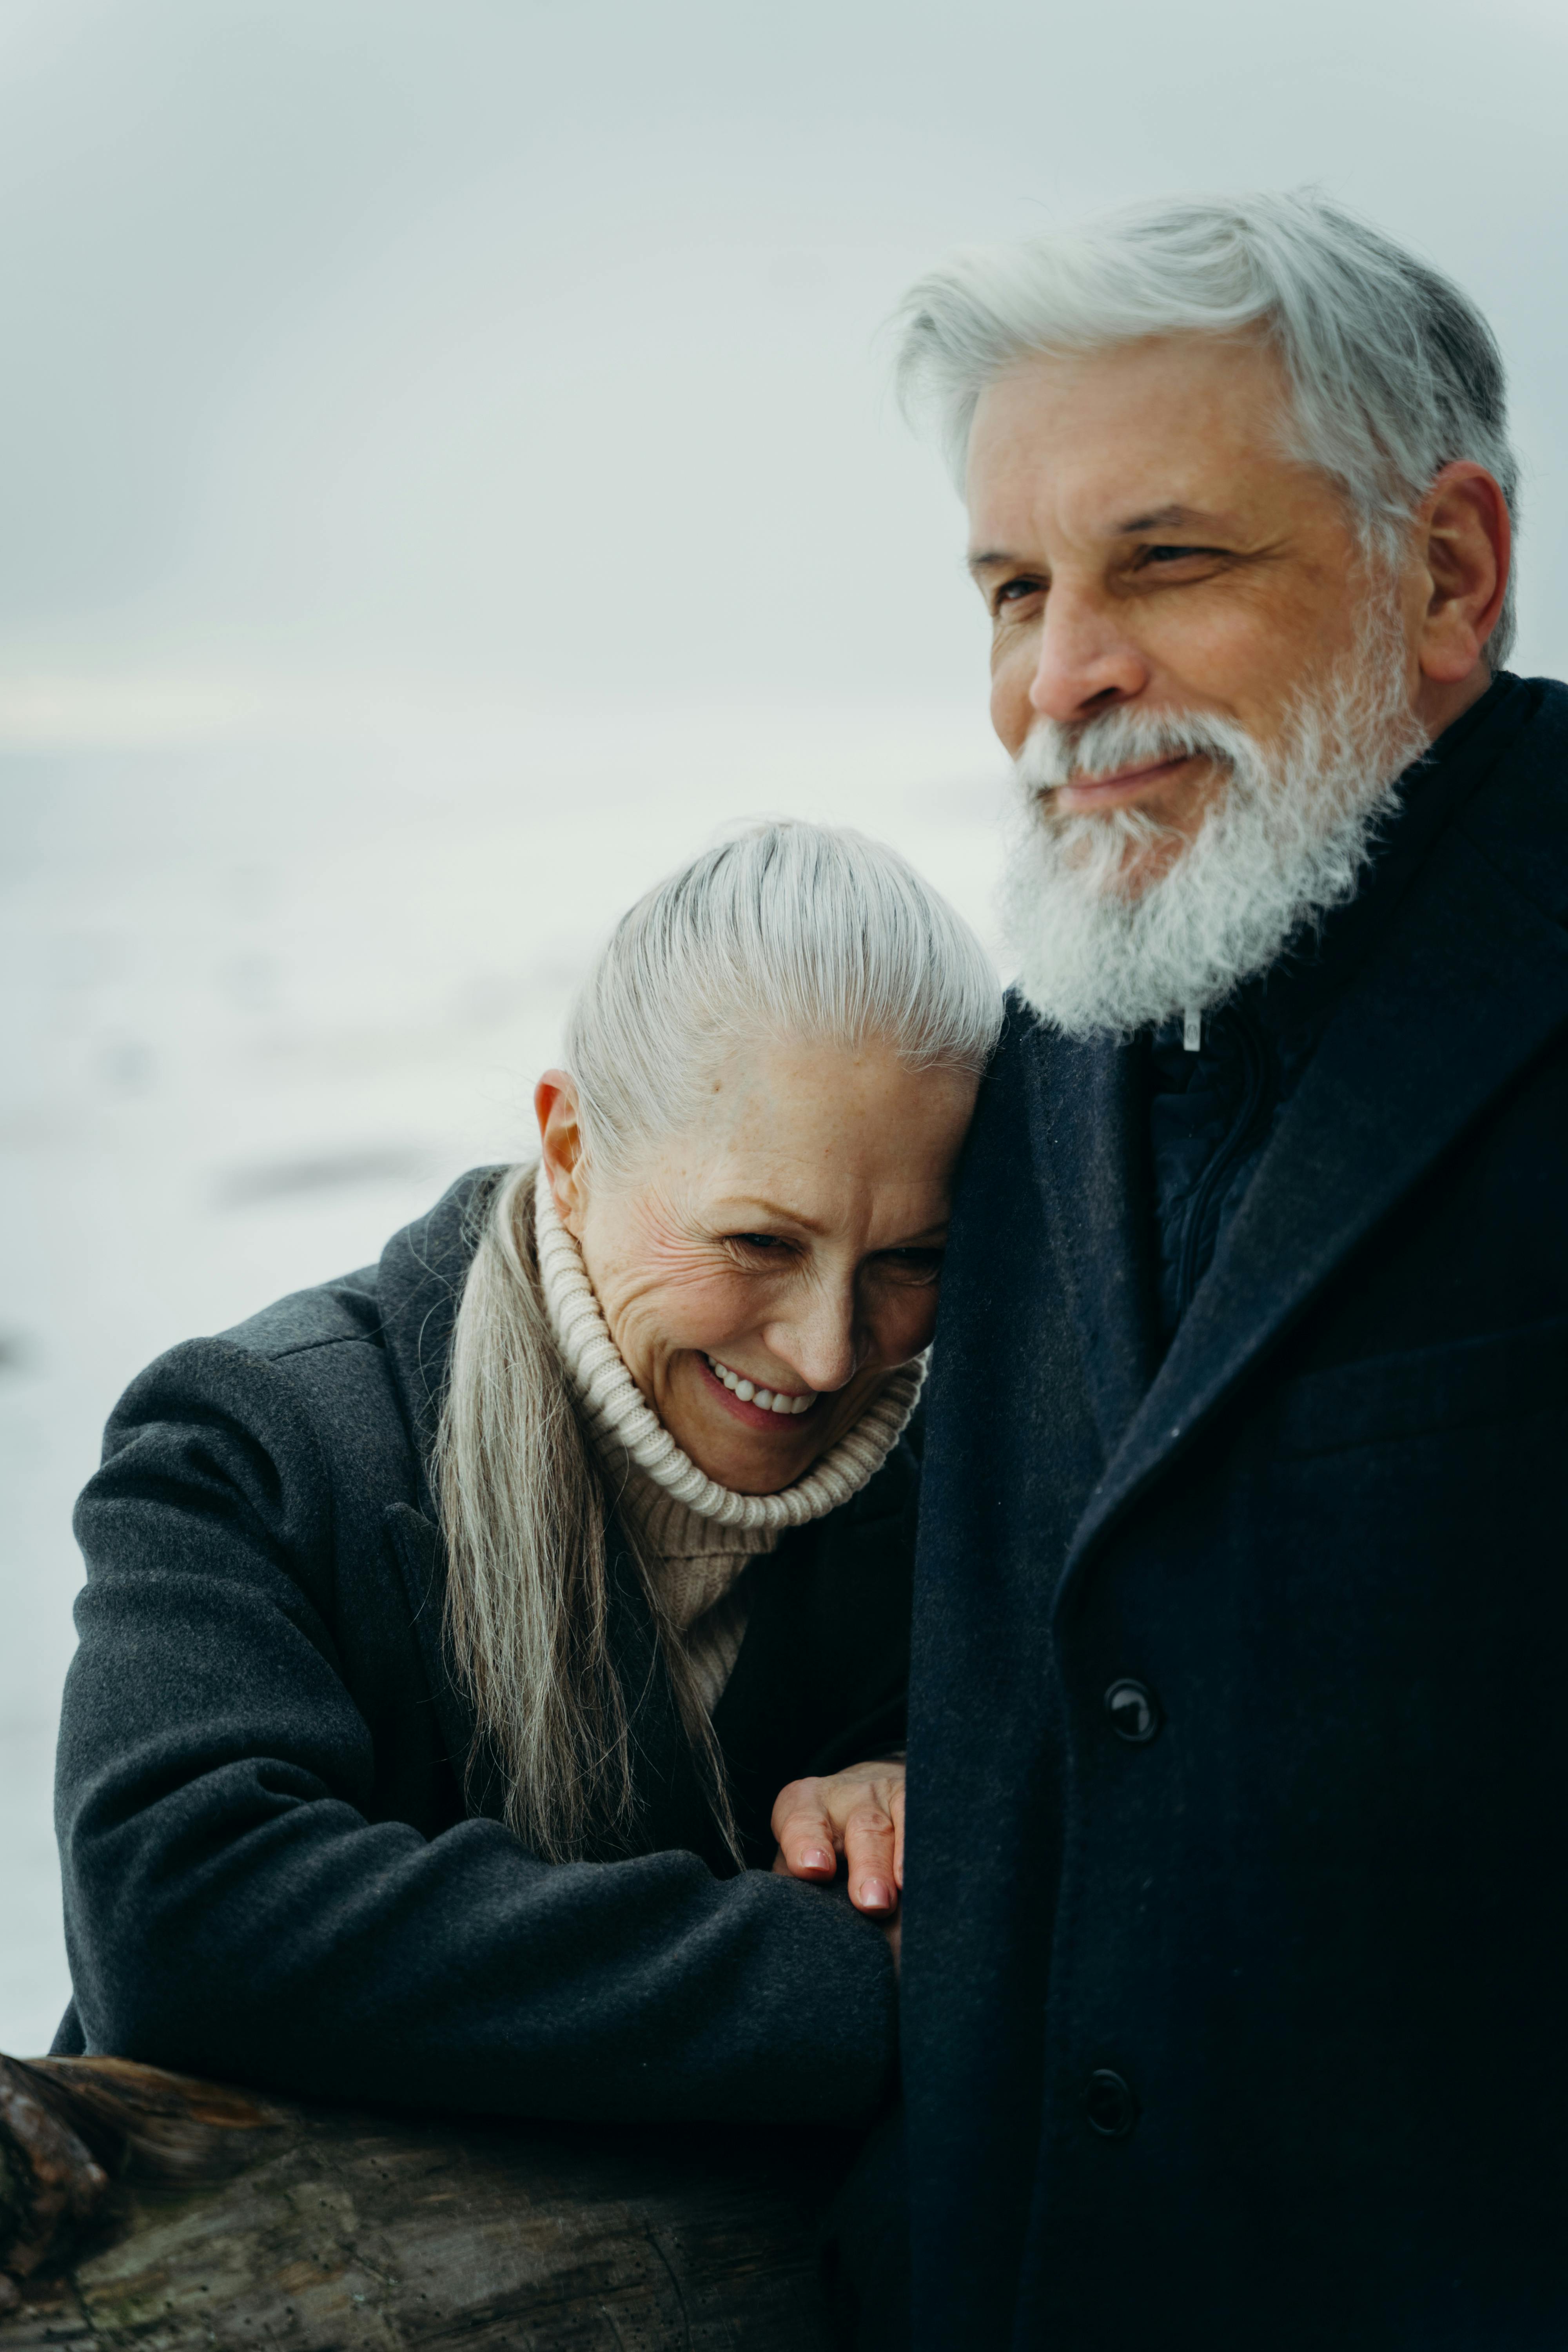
[{"x": 1181, "y": 432}]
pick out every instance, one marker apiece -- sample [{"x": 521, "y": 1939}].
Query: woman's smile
[{"x": 753, "y": 1402}]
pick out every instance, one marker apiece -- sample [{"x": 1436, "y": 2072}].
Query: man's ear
[
  {"x": 1464, "y": 541},
  {"x": 560, "y": 1146}
]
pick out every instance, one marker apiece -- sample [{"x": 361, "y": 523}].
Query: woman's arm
[{"x": 234, "y": 1907}]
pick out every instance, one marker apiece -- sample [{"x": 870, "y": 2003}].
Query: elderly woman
[{"x": 451, "y": 1630}]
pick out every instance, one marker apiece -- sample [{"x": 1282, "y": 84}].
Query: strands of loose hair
[
  {"x": 523, "y": 1515},
  {"x": 526, "y": 1519}
]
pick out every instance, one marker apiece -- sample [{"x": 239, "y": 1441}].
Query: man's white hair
[{"x": 1392, "y": 372}]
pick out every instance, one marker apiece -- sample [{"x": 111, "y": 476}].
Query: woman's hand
[{"x": 859, "y": 1813}]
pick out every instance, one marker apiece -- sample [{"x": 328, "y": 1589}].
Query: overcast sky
[{"x": 526, "y": 349}]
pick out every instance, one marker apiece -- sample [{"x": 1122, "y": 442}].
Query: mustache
[{"x": 1055, "y": 754}]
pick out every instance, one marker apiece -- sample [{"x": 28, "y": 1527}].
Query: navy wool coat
[
  {"x": 272, "y": 1869},
  {"x": 1235, "y": 1981}
]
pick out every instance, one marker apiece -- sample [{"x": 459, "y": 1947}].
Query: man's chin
[
  {"x": 1143, "y": 869},
  {"x": 1114, "y": 859}
]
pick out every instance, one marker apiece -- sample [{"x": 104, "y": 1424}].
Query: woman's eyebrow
[{"x": 751, "y": 1204}]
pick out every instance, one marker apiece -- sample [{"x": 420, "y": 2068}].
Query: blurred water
[{"x": 273, "y": 990}]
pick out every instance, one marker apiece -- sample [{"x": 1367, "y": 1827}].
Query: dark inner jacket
[
  {"x": 1266, "y": 1632},
  {"x": 272, "y": 1871},
  {"x": 1212, "y": 1111}
]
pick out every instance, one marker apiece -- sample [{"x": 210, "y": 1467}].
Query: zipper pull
[{"x": 1192, "y": 1032}]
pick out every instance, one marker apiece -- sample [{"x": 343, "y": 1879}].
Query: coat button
[
  {"x": 1135, "y": 1712},
  {"x": 1108, "y": 2104}
]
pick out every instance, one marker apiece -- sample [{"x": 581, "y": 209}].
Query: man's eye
[
  {"x": 1176, "y": 554},
  {"x": 759, "y": 1241},
  {"x": 1013, "y": 592}
]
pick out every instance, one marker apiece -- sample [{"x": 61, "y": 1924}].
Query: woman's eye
[
  {"x": 914, "y": 1265},
  {"x": 774, "y": 1243}
]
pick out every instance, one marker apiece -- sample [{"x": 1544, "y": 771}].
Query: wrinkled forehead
[
  {"x": 811, "y": 1125},
  {"x": 1087, "y": 443}
]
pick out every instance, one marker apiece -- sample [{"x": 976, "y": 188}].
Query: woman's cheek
[
  {"x": 908, "y": 1325},
  {"x": 705, "y": 1312}
]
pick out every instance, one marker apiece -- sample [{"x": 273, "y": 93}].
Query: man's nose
[{"x": 1086, "y": 663}]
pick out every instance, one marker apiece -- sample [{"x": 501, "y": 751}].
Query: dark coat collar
[{"x": 1467, "y": 982}]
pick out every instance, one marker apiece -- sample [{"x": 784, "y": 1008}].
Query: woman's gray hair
[
  {"x": 793, "y": 932},
  {"x": 1394, "y": 374},
  {"x": 786, "y": 930}
]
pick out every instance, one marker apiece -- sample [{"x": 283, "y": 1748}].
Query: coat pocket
[{"x": 1502, "y": 1376}]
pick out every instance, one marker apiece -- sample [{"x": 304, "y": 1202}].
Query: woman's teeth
[{"x": 769, "y": 1399}]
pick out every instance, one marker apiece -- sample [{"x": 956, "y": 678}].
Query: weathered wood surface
[{"x": 137, "y": 2209}]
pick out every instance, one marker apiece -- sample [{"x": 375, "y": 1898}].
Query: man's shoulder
[{"x": 1518, "y": 818}]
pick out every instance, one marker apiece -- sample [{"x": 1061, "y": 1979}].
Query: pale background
[{"x": 445, "y": 473}]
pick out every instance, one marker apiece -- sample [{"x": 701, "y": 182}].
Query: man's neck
[{"x": 1439, "y": 703}]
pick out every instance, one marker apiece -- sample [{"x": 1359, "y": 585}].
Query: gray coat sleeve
[{"x": 233, "y": 1909}]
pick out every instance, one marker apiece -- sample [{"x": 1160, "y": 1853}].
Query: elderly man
[{"x": 1242, "y": 1612}]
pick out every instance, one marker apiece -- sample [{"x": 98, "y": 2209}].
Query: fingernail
[
  {"x": 875, "y": 1895},
  {"x": 818, "y": 1857}
]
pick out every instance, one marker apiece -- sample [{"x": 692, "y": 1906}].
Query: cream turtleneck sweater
[{"x": 697, "y": 1536}]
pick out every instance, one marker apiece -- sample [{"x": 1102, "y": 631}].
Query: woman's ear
[{"x": 560, "y": 1146}]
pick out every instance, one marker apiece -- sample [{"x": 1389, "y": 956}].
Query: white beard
[{"x": 1287, "y": 839}]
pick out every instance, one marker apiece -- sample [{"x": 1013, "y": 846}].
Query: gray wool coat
[{"x": 272, "y": 1871}]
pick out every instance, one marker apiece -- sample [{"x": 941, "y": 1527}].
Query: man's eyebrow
[
  {"x": 1169, "y": 517},
  {"x": 1173, "y": 518}
]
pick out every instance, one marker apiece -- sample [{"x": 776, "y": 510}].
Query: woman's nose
[{"x": 819, "y": 1343}]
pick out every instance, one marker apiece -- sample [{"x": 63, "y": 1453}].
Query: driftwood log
[{"x": 140, "y": 2208}]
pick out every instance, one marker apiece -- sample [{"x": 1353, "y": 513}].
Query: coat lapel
[
  {"x": 1471, "y": 983},
  {"x": 1085, "y": 1111}
]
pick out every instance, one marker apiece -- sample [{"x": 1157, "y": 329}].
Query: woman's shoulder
[
  {"x": 342, "y": 1311},
  {"x": 348, "y": 1366},
  {"x": 419, "y": 1275}
]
